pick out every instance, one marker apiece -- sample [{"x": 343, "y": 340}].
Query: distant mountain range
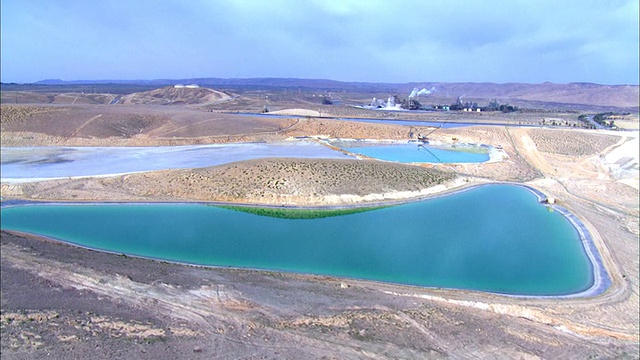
[
  {"x": 624, "y": 96},
  {"x": 316, "y": 84}
]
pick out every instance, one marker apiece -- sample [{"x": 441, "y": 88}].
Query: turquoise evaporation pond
[
  {"x": 416, "y": 152},
  {"x": 494, "y": 238}
]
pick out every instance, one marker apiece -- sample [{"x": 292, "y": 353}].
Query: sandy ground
[{"x": 107, "y": 305}]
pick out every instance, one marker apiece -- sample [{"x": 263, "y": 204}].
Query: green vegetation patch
[{"x": 300, "y": 214}]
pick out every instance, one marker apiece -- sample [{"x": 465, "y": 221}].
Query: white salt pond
[{"x": 20, "y": 164}]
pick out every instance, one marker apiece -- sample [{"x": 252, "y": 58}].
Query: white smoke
[
  {"x": 416, "y": 92},
  {"x": 391, "y": 102}
]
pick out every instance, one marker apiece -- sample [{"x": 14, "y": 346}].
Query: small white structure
[
  {"x": 178, "y": 86},
  {"x": 192, "y": 86}
]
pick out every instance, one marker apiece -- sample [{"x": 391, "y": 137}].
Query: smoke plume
[{"x": 416, "y": 92}]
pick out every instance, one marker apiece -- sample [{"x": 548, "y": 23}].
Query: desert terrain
[{"x": 61, "y": 301}]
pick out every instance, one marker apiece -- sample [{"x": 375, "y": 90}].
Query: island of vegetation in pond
[{"x": 299, "y": 213}]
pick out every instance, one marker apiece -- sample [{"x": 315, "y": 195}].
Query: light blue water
[
  {"x": 495, "y": 238},
  {"x": 417, "y": 152}
]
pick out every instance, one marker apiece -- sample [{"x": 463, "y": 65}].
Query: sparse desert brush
[
  {"x": 13, "y": 113},
  {"x": 283, "y": 177},
  {"x": 570, "y": 142}
]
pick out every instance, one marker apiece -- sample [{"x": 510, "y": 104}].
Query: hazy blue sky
[{"x": 351, "y": 40}]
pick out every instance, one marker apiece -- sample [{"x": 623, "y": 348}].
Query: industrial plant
[
  {"x": 411, "y": 103},
  {"x": 191, "y": 86}
]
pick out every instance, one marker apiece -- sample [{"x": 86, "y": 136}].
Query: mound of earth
[
  {"x": 66, "y": 98},
  {"x": 77, "y": 122},
  {"x": 132, "y": 125},
  {"x": 572, "y": 143},
  {"x": 263, "y": 181},
  {"x": 176, "y": 96}
]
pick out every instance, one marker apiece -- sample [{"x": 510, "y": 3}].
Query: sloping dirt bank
[{"x": 60, "y": 301}]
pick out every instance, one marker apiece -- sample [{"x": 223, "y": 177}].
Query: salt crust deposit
[{"x": 623, "y": 161}]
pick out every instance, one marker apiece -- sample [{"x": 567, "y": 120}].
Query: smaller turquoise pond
[
  {"x": 495, "y": 238},
  {"x": 415, "y": 152}
]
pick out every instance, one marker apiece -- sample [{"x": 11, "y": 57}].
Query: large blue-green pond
[{"x": 495, "y": 238}]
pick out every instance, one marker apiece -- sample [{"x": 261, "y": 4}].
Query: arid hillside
[
  {"x": 58, "y": 98},
  {"x": 176, "y": 96},
  {"x": 102, "y": 125},
  {"x": 624, "y": 96}
]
